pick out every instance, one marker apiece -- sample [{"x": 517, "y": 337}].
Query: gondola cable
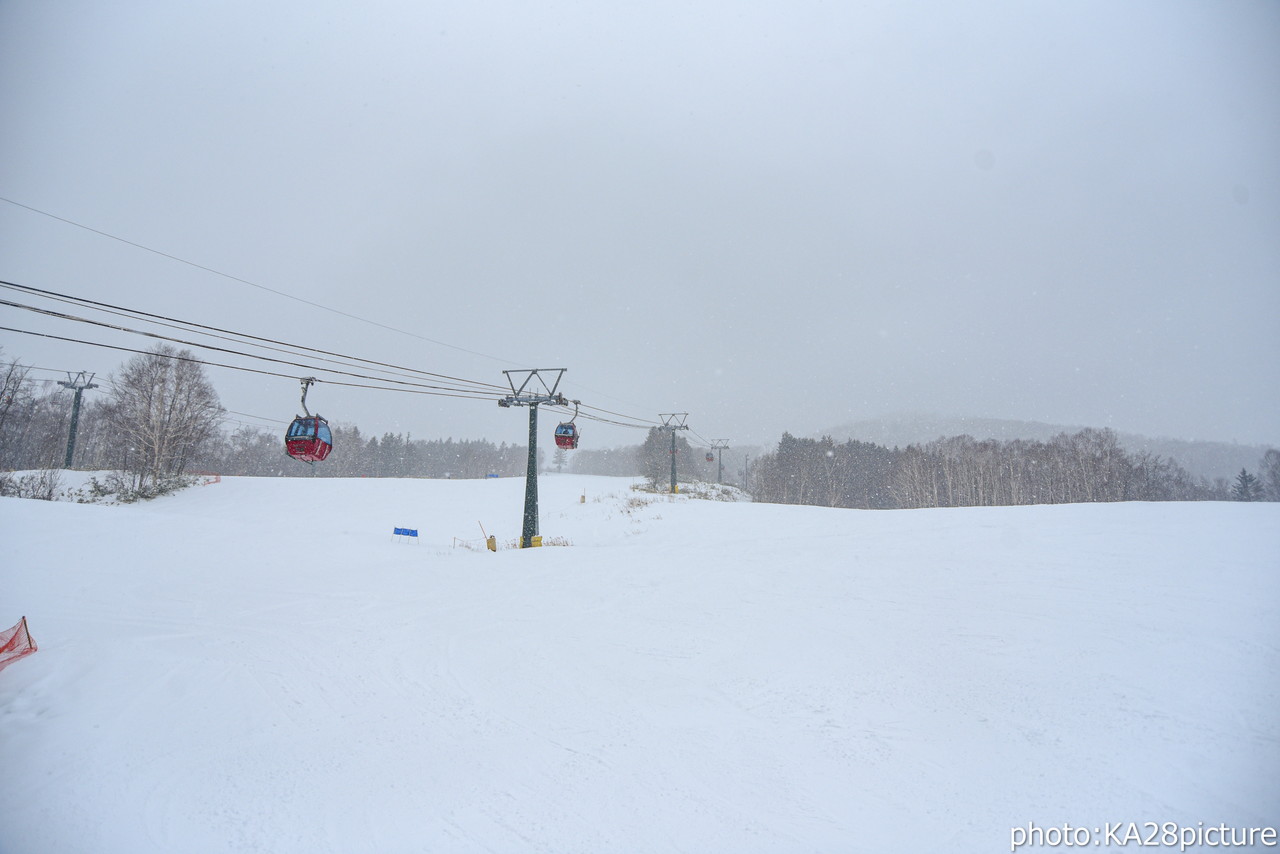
[
  {"x": 158, "y": 318},
  {"x": 118, "y": 328}
]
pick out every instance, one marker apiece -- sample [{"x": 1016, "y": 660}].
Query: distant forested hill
[{"x": 1210, "y": 460}]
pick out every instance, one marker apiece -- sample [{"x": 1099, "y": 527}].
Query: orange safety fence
[{"x": 16, "y": 643}]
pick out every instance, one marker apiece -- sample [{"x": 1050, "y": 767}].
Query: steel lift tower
[
  {"x": 533, "y": 389},
  {"x": 671, "y": 422},
  {"x": 79, "y": 385}
]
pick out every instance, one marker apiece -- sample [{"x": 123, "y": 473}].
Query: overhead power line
[
  {"x": 262, "y": 287},
  {"x": 173, "y": 322},
  {"x": 450, "y": 386},
  {"x": 64, "y": 316},
  {"x": 417, "y": 389},
  {"x": 703, "y": 439},
  {"x": 459, "y": 394},
  {"x": 250, "y": 283}
]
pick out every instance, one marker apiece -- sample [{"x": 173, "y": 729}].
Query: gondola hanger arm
[{"x": 306, "y": 384}]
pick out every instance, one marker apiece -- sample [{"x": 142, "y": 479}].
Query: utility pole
[
  {"x": 718, "y": 446},
  {"x": 671, "y": 422},
  {"x": 79, "y": 385},
  {"x": 528, "y": 394}
]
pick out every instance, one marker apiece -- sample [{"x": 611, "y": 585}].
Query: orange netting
[{"x": 15, "y": 643}]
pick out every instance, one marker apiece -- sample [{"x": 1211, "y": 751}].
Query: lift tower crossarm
[{"x": 524, "y": 395}]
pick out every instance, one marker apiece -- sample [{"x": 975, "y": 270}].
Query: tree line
[
  {"x": 159, "y": 417},
  {"x": 960, "y": 471},
  {"x": 256, "y": 452}
]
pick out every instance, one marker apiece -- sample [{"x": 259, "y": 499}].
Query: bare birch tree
[
  {"x": 161, "y": 406},
  {"x": 15, "y": 400},
  {"x": 1269, "y": 474}
]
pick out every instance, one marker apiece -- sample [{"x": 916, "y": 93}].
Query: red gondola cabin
[
  {"x": 308, "y": 439},
  {"x": 567, "y": 436}
]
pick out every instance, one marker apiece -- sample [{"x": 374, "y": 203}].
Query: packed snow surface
[{"x": 259, "y": 665}]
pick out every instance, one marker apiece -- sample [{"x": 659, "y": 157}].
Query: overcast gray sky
[{"x": 772, "y": 215}]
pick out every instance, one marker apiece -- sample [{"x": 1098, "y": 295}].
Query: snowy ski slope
[{"x": 258, "y": 665}]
